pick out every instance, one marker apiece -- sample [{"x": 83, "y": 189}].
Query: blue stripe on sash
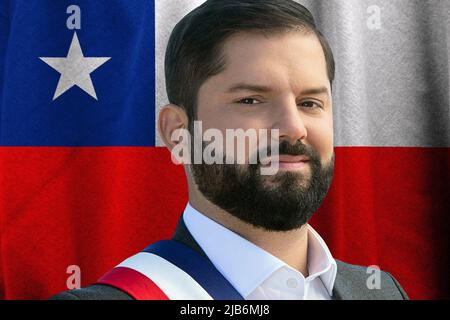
[{"x": 198, "y": 267}]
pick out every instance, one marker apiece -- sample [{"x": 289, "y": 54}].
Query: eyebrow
[
  {"x": 248, "y": 87},
  {"x": 265, "y": 89},
  {"x": 315, "y": 91}
]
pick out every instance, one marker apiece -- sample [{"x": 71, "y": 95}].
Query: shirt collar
[{"x": 250, "y": 265}]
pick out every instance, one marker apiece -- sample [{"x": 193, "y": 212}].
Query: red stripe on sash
[{"x": 133, "y": 283}]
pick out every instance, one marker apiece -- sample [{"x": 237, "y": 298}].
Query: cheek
[
  {"x": 225, "y": 117},
  {"x": 320, "y": 136}
]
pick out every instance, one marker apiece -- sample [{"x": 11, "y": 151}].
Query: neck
[{"x": 291, "y": 247}]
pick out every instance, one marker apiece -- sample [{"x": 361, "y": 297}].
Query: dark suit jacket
[{"x": 350, "y": 281}]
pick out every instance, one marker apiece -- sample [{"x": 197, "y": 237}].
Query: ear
[{"x": 171, "y": 117}]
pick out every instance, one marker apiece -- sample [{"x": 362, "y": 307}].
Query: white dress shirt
[{"x": 255, "y": 273}]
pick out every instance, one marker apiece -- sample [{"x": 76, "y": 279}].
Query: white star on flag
[{"x": 75, "y": 69}]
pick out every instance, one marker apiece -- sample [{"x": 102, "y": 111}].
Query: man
[{"x": 251, "y": 65}]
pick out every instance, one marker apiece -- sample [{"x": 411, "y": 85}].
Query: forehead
[{"x": 291, "y": 58}]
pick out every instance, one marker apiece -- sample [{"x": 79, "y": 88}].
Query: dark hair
[{"x": 194, "y": 52}]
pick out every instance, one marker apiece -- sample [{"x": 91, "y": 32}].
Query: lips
[
  {"x": 291, "y": 159},
  {"x": 287, "y": 161}
]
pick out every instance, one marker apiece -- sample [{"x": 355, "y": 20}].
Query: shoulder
[
  {"x": 93, "y": 292},
  {"x": 360, "y": 282}
]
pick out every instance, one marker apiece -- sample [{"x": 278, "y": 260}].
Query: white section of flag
[{"x": 391, "y": 87}]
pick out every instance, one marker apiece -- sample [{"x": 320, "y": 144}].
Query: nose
[{"x": 289, "y": 121}]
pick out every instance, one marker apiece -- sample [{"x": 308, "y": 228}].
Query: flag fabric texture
[{"x": 84, "y": 182}]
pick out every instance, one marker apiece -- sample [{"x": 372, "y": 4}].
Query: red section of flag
[
  {"x": 94, "y": 207},
  {"x": 134, "y": 283},
  {"x": 390, "y": 207},
  {"x": 90, "y": 207}
]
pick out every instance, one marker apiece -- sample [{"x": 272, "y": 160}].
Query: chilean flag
[{"x": 84, "y": 183}]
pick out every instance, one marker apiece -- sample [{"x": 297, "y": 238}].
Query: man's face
[{"x": 271, "y": 82}]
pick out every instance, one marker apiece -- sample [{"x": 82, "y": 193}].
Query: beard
[{"x": 281, "y": 202}]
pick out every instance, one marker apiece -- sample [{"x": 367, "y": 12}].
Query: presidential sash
[{"x": 170, "y": 270}]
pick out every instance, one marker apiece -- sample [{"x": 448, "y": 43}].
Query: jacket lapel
[
  {"x": 340, "y": 288},
  {"x": 343, "y": 288},
  {"x": 183, "y": 235}
]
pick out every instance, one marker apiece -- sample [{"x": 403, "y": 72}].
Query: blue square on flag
[{"x": 77, "y": 74}]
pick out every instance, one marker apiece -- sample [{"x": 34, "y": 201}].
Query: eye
[
  {"x": 249, "y": 101},
  {"x": 310, "y": 104}
]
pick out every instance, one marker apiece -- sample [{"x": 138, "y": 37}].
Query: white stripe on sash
[{"x": 174, "y": 282}]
